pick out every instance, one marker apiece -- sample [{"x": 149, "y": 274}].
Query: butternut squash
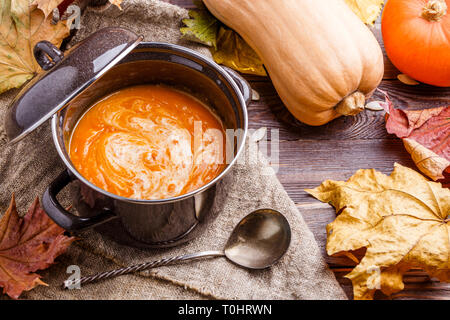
[{"x": 323, "y": 61}]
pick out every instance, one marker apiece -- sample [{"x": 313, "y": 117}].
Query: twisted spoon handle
[{"x": 139, "y": 267}]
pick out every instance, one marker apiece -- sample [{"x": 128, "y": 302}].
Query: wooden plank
[
  {"x": 390, "y": 71},
  {"x": 414, "y": 97},
  {"x": 270, "y": 112},
  {"x": 306, "y": 163}
]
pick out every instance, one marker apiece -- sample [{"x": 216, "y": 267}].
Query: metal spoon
[{"x": 257, "y": 242}]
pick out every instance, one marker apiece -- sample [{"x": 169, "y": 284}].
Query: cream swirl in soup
[{"x": 148, "y": 142}]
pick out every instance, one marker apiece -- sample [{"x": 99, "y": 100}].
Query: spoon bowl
[{"x": 259, "y": 240}]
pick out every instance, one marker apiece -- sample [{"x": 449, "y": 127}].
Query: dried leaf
[
  {"x": 425, "y": 134},
  {"x": 426, "y": 160},
  {"x": 367, "y": 10},
  {"x": 232, "y": 51},
  {"x": 227, "y": 47},
  {"x": 402, "y": 219},
  {"x": 26, "y": 245},
  {"x": 202, "y": 27},
  {"x": 47, "y": 6},
  {"x": 22, "y": 25}
]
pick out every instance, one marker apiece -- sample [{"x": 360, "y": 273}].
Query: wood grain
[{"x": 309, "y": 155}]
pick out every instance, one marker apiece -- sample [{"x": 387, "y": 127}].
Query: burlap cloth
[{"x": 28, "y": 167}]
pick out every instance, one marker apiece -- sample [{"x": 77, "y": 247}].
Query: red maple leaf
[
  {"x": 425, "y": 134},
  {"x": 26, "y": 245}
]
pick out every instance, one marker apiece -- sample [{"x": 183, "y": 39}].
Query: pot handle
[
  {"x": 64, "y": 218},
  {"x": 45, "y": 49},
  {"x": 243, "y": 85}
]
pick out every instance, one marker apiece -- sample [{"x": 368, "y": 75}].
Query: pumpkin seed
[
  {"x": 375, "y": 106},
  {"x": 255, "y": 95},
  {"x": 407, "y": 80}
]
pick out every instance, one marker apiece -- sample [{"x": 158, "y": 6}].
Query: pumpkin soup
[{"x": 148, "y": 142}]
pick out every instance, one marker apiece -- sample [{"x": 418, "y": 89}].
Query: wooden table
[{"x": 310, "y": 155}]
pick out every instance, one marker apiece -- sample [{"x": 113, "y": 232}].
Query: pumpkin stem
[
  {"x": 352, "y": 104},
  {"x": 434, "y": 10}
]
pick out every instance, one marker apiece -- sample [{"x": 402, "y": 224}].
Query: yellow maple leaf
[
  {"x": 403, "y": 220},
  {"x": 22, "y": 25},
  {"x": 367, "y": 10},
  {"x": 233, "y": 52}
]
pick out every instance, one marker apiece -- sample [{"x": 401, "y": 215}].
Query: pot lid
[{"x": 63, "y": 78}]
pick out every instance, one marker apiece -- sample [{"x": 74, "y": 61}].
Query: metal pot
[{"x": 153, "y": 223}]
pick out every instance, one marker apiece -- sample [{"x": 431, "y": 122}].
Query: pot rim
[{"x": 209, "y": 62}]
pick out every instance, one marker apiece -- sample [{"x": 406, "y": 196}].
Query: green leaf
[
  {"x": 226, "y": 46},
  {"x": 202, "y": 27}
]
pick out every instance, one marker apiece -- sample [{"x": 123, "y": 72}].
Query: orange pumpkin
[{"x": 416, "y": 36}]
